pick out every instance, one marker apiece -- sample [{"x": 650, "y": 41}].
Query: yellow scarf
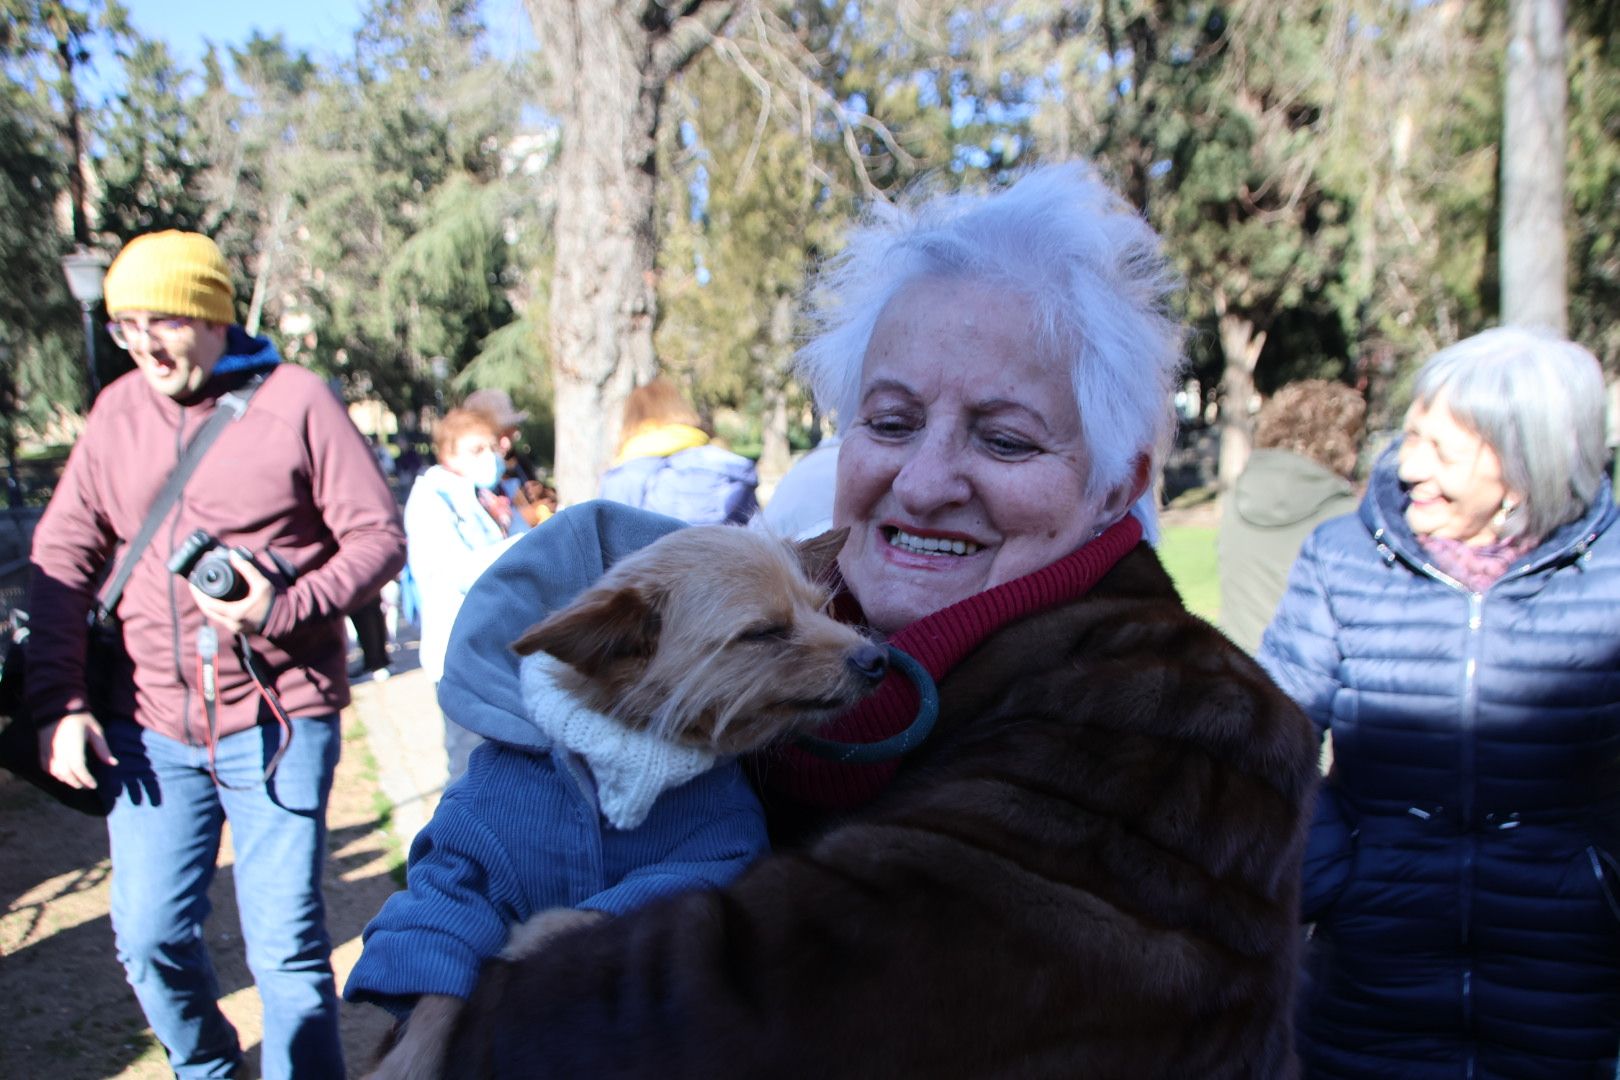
[{"x": 660, "y": 441}]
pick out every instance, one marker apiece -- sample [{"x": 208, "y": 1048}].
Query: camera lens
[{"x": 216, "y": 577}]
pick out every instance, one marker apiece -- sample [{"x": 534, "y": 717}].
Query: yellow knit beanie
[{"x": 171, "y": 273}]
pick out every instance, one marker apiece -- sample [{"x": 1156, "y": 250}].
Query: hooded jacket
[
  {"x": 675, "y": 470},
  {"x": 1090, "y": 868},
  {"x": 1461, "y": 872},
  {"x": 524, "y": 830},
  {"x": 1278, "y": 499},
  {"x": 291, "y": 481}
]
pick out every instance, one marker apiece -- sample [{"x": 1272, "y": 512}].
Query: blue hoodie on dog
[{"x": 523, "y": 830}]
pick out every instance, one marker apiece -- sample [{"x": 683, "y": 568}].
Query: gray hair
[
  {"x": 1093, "y": 269},
  {"x": 1537, "y": 401}
]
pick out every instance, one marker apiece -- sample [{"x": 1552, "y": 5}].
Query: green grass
[
  {"x": 1188, "y": 553},
  {"x": 354, "y": 737}
]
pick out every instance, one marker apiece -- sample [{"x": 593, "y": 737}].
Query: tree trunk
[
  {"x": 611, "y": 62},
  {"x": 269, "y": 247},
  {"x": 776, "y": 454},
  {"x": 1534, "y": 287},
  {"x": 1241, "y": 345},
  {"x": 73, "y": 128}
]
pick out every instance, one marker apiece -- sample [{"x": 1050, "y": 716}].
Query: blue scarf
[{"x": 245, "y": 353}]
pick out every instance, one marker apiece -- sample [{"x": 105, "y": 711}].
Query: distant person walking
[
  {"x": 451, "y": 537},
  {"x": 520, "y": 482},
  {"x": 1307, "y": 440},
  {"x": 668, "y": 464}
]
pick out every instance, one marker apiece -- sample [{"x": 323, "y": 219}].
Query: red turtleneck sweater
[{"x": 939, "y": 642}]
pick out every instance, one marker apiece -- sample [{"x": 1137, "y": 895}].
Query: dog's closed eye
[{"x": 770, "y": 632}]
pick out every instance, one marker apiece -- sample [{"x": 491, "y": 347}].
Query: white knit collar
[{"x": 631, "y": 768}]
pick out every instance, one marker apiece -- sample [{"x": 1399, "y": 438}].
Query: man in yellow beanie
[
  {"x": 187, "y": 735},
  {"x": 170, "y": 298}
]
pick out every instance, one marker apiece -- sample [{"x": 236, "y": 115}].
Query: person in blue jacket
[
  {"x": 666, "y": 463},
  {"x": 1459, "y": 638}
]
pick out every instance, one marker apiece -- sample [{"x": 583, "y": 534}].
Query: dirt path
[{"x": 70, "y": 1014}]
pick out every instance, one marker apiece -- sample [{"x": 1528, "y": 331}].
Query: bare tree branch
[{"x": 692, "y": 31}]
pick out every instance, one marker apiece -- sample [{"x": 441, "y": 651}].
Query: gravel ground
[{"x": 72, "y": 1015}]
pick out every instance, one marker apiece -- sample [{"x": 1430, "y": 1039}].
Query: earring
[{"x": 1501, "y": 516}]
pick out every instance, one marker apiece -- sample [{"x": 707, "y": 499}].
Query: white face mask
[{"x": 486, "y": 470}]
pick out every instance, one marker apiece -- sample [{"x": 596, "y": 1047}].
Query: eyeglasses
[{"x": 124, "y": 331}]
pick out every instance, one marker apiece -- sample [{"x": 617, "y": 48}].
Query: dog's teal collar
[{"x": 895, "y": 745}]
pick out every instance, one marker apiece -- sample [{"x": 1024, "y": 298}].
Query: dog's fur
[
  {"x": 714, "y": 637},
  {"x": 1091, "y": 869}
]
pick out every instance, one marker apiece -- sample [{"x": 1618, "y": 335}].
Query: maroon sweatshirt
[{"x": 291, "y": 477}]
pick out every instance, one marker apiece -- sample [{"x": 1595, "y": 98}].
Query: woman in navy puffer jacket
[{"x": 1460, "y": 639}]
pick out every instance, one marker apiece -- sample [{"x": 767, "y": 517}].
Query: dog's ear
[
  {"x": 817, "y": 554},
  {"x": 601, "y": 627}
]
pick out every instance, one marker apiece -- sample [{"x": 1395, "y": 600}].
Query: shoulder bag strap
[{"x": 229, "y": 407}]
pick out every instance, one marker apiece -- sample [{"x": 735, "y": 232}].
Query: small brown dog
[
  {"x": 715, "y": 637},
  {"x": 713, "y": 641}
]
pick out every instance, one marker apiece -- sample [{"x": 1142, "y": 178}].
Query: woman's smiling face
[
  {"x": 965, "y": 466},
  {"x": 1453, "y": 476}
]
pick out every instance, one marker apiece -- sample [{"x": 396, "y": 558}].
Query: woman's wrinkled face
[
  {"x": 1453, "y": 477},
  {"x": 965, "y": 466}
]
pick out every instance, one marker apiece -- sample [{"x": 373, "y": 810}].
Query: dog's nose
[{"x": 869, "y": 662}]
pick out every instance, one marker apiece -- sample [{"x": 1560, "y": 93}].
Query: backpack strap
[{"x": 228, "y": 408}]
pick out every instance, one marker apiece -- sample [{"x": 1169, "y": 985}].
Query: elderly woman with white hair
[
  {"x": 1460, "y": 639},
  {"x": 1090, "y": 866}
]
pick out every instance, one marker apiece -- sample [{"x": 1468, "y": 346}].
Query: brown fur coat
[{"x": 1090, "y": 870}]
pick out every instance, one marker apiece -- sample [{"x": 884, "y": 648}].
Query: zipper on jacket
[
  {"x": 1467, "y": 720},
  {"x": 1465, "y": 824},
  {"x": 1468, "y": 1018}
]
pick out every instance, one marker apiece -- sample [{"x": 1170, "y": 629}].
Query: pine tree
[
  {"x": 407, "y": 264},
  {"x": 152, "y": 158}
]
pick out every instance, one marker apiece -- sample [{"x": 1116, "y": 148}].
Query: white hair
[
  {"x": 1537, "y": 401},
  {"x": 1092, "y": 268}
]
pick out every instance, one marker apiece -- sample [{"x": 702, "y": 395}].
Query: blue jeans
[{"x": 165, "y": 833}]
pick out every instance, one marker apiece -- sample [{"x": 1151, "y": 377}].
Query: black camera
[{"x": 206, "y": 563}]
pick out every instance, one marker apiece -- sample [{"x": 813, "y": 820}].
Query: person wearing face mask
[
  {"x": 1458, "y": 637},
  {"x": 451, "y": 534}
]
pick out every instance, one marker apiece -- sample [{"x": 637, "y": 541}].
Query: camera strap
[
  {"x": 227, "y": 408},
  {"x": 207, "y": 680}
]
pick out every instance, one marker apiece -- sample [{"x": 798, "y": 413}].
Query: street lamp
[{"x": 84, "y": 270}]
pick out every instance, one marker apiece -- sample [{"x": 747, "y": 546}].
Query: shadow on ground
[{"x": 70, "y": 1014}]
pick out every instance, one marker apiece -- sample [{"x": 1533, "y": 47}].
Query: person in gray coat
[{"x": 1307, "y": 439}]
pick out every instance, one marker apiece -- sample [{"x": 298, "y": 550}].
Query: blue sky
[{"x": 323, "y": 27}]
